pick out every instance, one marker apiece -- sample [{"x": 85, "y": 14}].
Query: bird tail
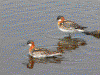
[
  {"x": 87, "y": 33},
  {"x": 84, "y": 27},
  {"x": 81, "y": 27},
  {"x": 93, "y": 33}
]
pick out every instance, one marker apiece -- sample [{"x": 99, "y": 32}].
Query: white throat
[
  {"x": 30, "y": 44},
  {"x": 59, "y": 20}
]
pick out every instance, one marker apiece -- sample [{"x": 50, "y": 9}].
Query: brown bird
[
  {"x": 69, "y": 26},
  {"x": 41, "y": 52}
]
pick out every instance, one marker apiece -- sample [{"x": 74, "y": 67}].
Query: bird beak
[{"x": 57, "y": 18}]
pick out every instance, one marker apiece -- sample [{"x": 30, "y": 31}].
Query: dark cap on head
[
  {"x": 29, "y": 41},
  {"x": 59, "y": 17}
]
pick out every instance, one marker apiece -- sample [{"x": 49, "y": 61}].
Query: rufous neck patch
[
  {"x": 32, "y": 47},
  {"x": 62, "y": 18}
]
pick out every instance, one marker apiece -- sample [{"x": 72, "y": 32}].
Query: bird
[
  {"x": 68, "y": 26},
  {"x": 40, "y": 52}
]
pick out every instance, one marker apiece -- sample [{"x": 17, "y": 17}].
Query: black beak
[
  {"x": 27, "y": 43},
  {"x": 58, "y": 18}
]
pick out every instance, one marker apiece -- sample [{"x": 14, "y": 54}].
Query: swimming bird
[
  {"x": 69, "y": 26},
  {"x": 40, "y": 52}
]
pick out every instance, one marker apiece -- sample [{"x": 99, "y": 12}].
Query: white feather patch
[{"x": 30, "y": 44}]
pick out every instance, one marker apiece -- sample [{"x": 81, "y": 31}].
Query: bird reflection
[
  {"x": 46, "y": 60},
  {"x": 68, "y": 43}
]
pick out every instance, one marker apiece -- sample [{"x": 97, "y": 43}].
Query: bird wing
[
  {"x": 72, "y": 24},
  {"x": 40, "y": 49},
  {"x": 48, "y": 52},
  {"x": 65, "y": 25}
]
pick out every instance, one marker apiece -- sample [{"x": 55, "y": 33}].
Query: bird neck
[{"x": 32, "y": 47}]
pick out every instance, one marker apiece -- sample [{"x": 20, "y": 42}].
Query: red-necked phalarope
[
  {"x": 40, "y": 52},
  {"x": 69, "y": 26}
]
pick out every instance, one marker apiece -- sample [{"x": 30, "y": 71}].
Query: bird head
[
  {"x": 30, "y": 43},
  {"x": 60, "y": 18}
]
